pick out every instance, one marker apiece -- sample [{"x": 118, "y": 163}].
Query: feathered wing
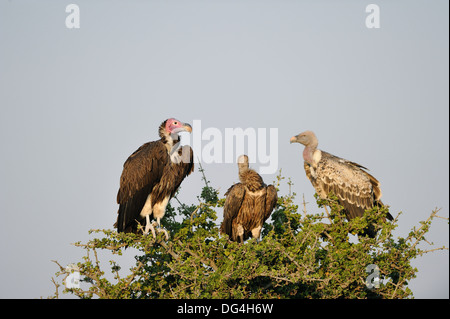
[
  {"x": 271, "y": 201},
  {"x": 233, "y": 202},
  {"x": 141, "y": 172},
  {"x": 186, "y": 166},
  {"x": 356, "y": 189},
  {"x": 149, "y": 170}
]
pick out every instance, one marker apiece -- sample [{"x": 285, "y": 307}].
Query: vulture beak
[
  {"x": 186, "y": 127},
  {"x": 183, "y": 128},
  {"x": 293, "y": 139}
]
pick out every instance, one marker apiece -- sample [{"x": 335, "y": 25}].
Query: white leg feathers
[
  {"x": 256, "y": 233},
  {"x": 158, "y": 210}
]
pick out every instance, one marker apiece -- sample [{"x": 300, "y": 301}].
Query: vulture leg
[
  {"x": 149, "y": 226},
  {"x": 256, "y": 233},
  {"x": 158, "y": 213},
  {"x": 159, "y": 229},
  {"x": 240, "y": 233}
]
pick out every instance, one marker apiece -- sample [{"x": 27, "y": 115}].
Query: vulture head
[
  {"x": 307, "y": 138},
  {"x": 173, "y": 126},
  {"x": 243, "y": 163},
  {"x": 169, "y": 129},
  {"x": 248, "y": 176}
]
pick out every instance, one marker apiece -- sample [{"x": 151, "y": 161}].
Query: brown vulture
[
  {"x": 248, "y": 204},
  {"x": 356, "y": 189},
  {"x": 150, "y": 178}
]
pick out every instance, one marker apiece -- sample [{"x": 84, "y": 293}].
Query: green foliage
[{"x": 300, "y": 256}]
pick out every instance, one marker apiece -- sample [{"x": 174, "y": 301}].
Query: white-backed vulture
[
  {"x": 356, "y": 189},
  {"x": 248, "y": 204},
  {"x": 150, "y": 178}
]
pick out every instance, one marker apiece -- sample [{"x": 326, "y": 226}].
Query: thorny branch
[{"x": 300, "y": 261}]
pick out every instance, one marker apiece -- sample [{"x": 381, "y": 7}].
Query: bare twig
[
  {"x": 206, "y": 262},
  {"x": 195, "y": 212},
  {"x": 134, "y": 274},
  {"x": 328, "y": 214},
  {"x": 169, "y": 250},
  {"x": 203, "y": 173},
  {"x": 432, "y": 215},
  {"x": 431, "y": 250},
  {"x": 304, "y": 205},
  {"x": 60, "y": 267},
  {"x": 56, "y": 287}
]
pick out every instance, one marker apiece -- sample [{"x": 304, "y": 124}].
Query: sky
[{"x": 76, "y": 102}]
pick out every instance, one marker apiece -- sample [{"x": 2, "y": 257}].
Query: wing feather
[
  {"x": 141, "y": 172},
  {"x": 187, "y": 157},
  {"x": 271, "y": 200},
  {"x": 234, "y": 198},
  {"x": 306, "y": 166},
  {"x": 143, "y": 167},
  {"x": 348, "y": 181}
]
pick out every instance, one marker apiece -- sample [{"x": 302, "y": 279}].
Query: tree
[{"x": 300, "y": 256}]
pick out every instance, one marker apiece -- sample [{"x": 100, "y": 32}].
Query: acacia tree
[{"x": 300, "y": 255}]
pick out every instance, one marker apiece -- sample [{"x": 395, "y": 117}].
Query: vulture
[
  {"x": 150, "y": 178},
  {"x": 248, "y": 204},
  {"x": 356, "y": 189}
]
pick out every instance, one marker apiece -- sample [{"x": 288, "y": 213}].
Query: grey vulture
[
  {"x": 248, "y": 204},
  {"x": 356, "y": 189},
  {"x": 150, "y": 178}
]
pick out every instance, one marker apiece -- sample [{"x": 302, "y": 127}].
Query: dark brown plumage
[
  {"x": 151, "y": 176},
  {"x": 248, "y": 204},
  {"x": 356, "y": 189}
]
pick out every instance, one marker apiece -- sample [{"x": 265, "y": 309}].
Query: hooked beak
[
  {"x": 187, "y": 128},
  {"x": 293, "y": 139},
  {"x": 184, "y": 128}
]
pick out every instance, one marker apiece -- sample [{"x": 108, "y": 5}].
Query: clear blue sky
[{"x": 75, "y": 103}]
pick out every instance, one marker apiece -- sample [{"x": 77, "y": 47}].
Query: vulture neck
[
  {"x": 243, "y": 169},
  {"x": 311, "y": 154},
  {"x": 170, "y": 143},
  {"x": 169, "y": 140},
  {"x": 250, "y": 179}
]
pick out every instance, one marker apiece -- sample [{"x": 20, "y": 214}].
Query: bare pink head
[{"x": 176, "y": 126}]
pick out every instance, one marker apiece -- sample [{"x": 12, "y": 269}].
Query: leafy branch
[{"x": 300, "y": 255}]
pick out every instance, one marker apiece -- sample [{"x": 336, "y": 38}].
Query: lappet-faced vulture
[
  {"x": 150, "y": 178},
  {"x": 356, "y": 189},
  {"x": 247, "y": 205}
]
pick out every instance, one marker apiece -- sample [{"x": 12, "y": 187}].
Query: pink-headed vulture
[{"x": 150, "y": 178}]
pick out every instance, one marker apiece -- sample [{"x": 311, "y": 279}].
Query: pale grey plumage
[{"x": 356, "y": 189}]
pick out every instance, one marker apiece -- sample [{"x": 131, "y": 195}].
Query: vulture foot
[
  {"x": 155, "y": 228},
  {"x": 148, "y": 227},
  {"x": 159, "y": 229}
]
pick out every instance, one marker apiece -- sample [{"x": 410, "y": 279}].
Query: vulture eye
[{"x": 175, "y": 123}]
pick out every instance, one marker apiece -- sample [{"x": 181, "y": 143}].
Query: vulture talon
[
  {"x": 155, "y": 228},
  {"x": 150, "y": 227},
  {"x": 162, "y": 230}
]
